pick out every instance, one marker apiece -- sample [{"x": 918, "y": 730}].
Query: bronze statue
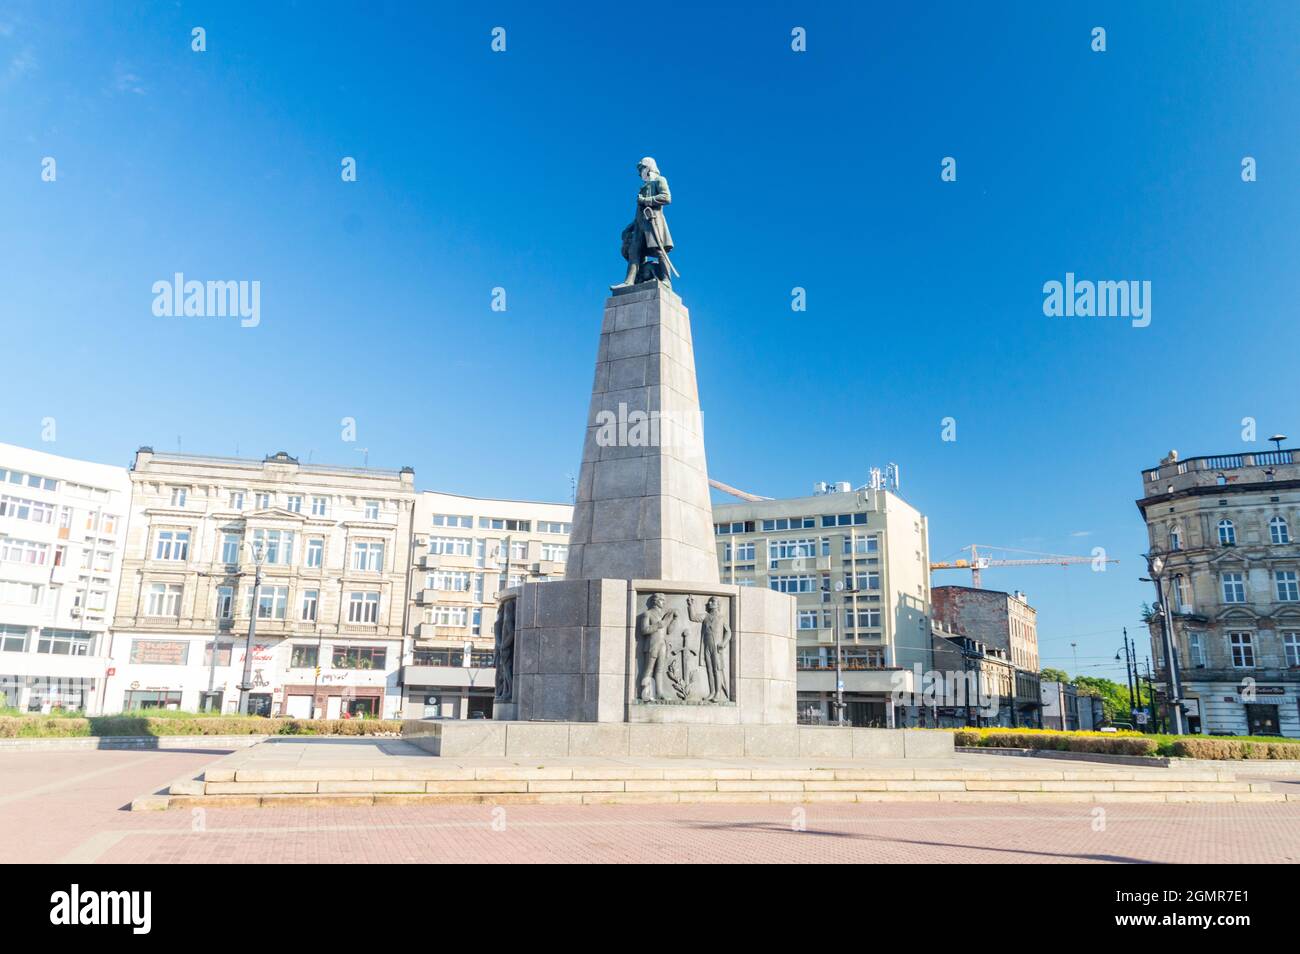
[
  {"x": 652, "y": 627},
  {"x": 504, "y": 632},
  {"x": 715, "y": 645},
  {"x": 647, "y": 241}
]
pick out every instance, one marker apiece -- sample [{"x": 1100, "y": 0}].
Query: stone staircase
[{"x": 671, "y": 781}]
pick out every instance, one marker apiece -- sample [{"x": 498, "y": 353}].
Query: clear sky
[{"x": 818, "y": 169}]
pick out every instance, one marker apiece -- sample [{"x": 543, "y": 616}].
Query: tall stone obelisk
[
  {"x": 643, "y": 510},
  {"x": 641, "y": 630}
]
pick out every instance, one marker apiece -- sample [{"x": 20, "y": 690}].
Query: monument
[{"x": 640, "y": 630}]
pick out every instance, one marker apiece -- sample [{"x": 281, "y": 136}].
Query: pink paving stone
[{"x": 79, "y": 816}]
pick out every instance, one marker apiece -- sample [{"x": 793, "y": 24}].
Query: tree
[{"x": 1054, "y": 675}]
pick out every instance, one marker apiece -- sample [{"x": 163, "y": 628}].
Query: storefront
[{"x": 331, "y": 702}]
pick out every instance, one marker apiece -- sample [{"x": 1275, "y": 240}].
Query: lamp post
[
  {"x": 246, "y": 684},
  {"x": 1156, "y": 564}
]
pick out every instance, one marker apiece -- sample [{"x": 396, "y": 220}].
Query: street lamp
[
  {"x": 1156, "y": 565},
  {"x": 246, "y": 685}
]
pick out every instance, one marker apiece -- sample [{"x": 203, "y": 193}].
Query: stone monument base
[
  {"x": 481, "y": 738},
  {"x": 578, "y": 658}
]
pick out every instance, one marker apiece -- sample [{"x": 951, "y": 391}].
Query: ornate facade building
[
  {"x": 333, "y": 545},
  {"x": 1222, "y": 537}
]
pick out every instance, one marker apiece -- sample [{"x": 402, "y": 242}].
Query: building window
[
  {"x": 1243, "y": 650},
  {"x": 13, "y": 639},
  {"x": 456, "y": 581},
  {"x": 451, "y": 546},
  {"x": 319, "y": 506},
  {"x": 1291, "y": 648},
  {"x": 1175, "y": 538},
  {"x": 236, "y": 500},
  {"x": 359, "y": 657},
  {"x": 861, "y": 545},
  {"x": 863, "y": 619},
  {"x": 222, "y": 652},
  {"x": 1234, "y": 588},
  {"x": 501, "y": 523},
  {"x": 310, "y": 599},
  {"x": 368, "y": 556},
  {"x": 363, "y": 607},
  {"x": 1278, "y": 531},
  {"x": 452, "y": 520},
  {"x": 792, "y": 584},
  {"x": 294, "y": 503},
  {"x": 315, "y": 553},
  {"x": 1181, "y": 596},
  {"x": 272, "y": 602},
  {"x": 65, "y": 642},
  {"x": 179, "y": 495},
  {"x": 791, "y": 549},
  {"x": 276, "y": 546},
  {"x": 476, "y": 621},
  {"x": 556, "y": 552},
  {"x": 164, "y": 599},
  {"x": 304, "y": 657},
  {"x": 551, "y": 526},
  {"x": 172, "y": 545},
  {"x": 19, "y": 479},
  {"x": 137, "y": 699},
  {"x": 843, "y": 519},
  {"x": 738, "y": 526},
  {"x": 1288, "y": 589},
  {"x": 738, "y": 553},
  {"x": 230, "y": 543},
  {"x": 372, "y": 509},
  {"x": 1196, "y": 649},
  {"x": 450, "y": 616},
  {"x": 18, "y": 593},
  {"x": 263, "y": 501},
  {"x": 1227, "y": 533},
  {"x": 22, "y": 509},
  {"x": 24, "y": 551},
  {"x": 225, "y": 602},
  {"x": 809, "y": 619}
]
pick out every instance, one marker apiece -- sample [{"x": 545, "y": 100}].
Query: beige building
[
  {"x": 1225, "y": 531},
  {"x": 856, "y": 560},
  {"x": 334, "y": 546},
  {"x": 459, "y": 563},
  {"x": 63, "y": 526},
  {"x": 996, "y": 618}
]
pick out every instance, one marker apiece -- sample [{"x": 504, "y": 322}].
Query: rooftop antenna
[
  {"x": 1277, "y": 440},
  {"x": 366, "y": 458},
  {"x": 573, "y": 489}
]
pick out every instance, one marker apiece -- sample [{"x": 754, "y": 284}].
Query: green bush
[
  {"x": 1096, "y": 743},
  {"x": 1215, "y": 747},
  {"x": 42, "y": 727}
]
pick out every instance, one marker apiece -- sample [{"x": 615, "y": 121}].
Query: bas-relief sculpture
[
  {"x": 679, "y": 663},
  {"x": 647, "y": 241},
  {"x": 503, "y": 631}
]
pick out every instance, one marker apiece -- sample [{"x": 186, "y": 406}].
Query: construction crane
[
  {"x": 728, "y": 489},
  {"x": 979, "y": 561}
]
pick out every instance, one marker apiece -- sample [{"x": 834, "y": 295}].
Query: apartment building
[
  {"x": 1221, "y": 532},
  {"x": 63, "y": 527},
  {"x": 333, "y": 548},
  {"x": 466, "y": 549},
  {"x": 857, "y": 562},
  {"x": 1002, "y": 620}
]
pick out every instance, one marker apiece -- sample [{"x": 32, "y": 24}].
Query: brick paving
[{"x": 68, "y": 806}]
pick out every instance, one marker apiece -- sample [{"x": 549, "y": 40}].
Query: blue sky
[{"x": 818, "y": 169}]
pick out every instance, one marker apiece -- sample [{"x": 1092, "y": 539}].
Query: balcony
[
  {"x": 441, "y": 631},
  {"x": 430, "y": 595},
  {"x": 446, "y": 561}
]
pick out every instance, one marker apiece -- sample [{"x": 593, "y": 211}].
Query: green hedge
[
  {"x": 45, "y": 727},
  {"x": 1225, "y": 748},
  {"x": 1096, "y": 743}
]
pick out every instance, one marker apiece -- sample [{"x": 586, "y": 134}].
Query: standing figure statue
[
  {"x": 504, "y": 632},
  {"x": 652, "y": 627},
  {"x": 648, "y": 236},
  {"x": 715, "y": 646}
]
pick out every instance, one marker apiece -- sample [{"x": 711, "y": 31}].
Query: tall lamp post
[
  {"x": 246, "y": 684},
  {"x": 1156, "y": 565}
]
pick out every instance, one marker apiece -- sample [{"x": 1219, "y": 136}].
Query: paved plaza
[{"x": 70, "y": 806}]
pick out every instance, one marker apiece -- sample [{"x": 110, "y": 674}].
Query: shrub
[
  {"x": 1097, "y": 743},
  {"x": 1221, "y": 748},
  {"x": 36, "y": 727}
]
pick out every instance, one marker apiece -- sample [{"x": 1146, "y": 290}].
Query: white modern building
[
  {"x": 333, "y": 545},
  {"x": 458, "y": 565},
  {"x": 63, "y": 525},
  {"x": 857, "y": 561}
]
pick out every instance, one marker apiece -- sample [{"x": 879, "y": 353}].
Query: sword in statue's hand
[{"x": 648, "y": 212}]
